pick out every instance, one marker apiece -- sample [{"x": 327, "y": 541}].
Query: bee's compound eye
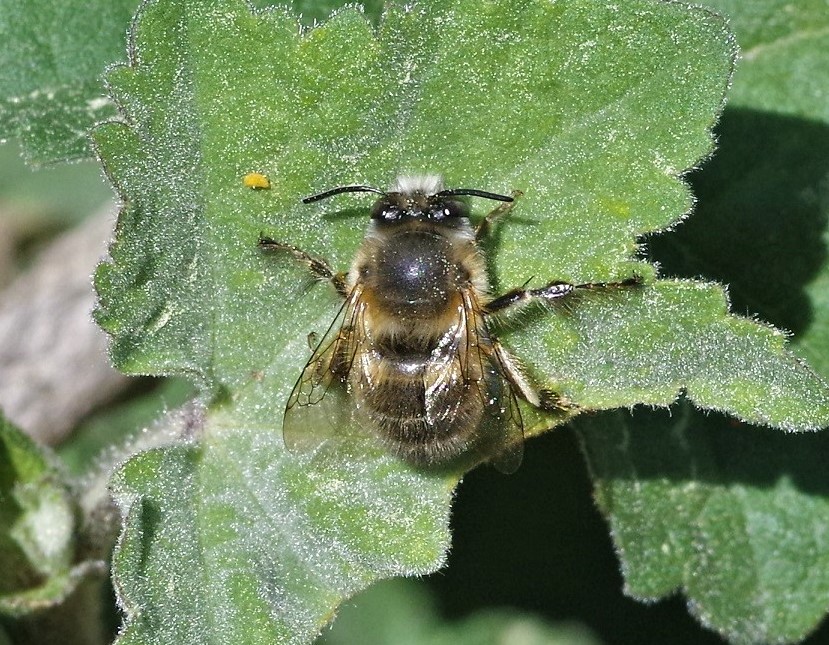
[
  {"x": 448, "y": 209},
  {"x": 385, "y": 211}
]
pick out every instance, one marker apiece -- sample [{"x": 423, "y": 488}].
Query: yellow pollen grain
[{"x": 256, "y": 181}]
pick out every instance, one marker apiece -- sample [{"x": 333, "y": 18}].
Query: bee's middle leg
[
  {"x": 544, "y": 399},
  {"x": 317, "y": 266},
  {"x": 553, "y": 291}
]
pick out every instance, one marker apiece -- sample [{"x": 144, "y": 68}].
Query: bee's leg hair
[
  {"x": 544, "y": 399},
  {"x": 552, "y": 291},
  {"x": 487, "y": 225},
  {"x": 318, "y": 267},
  {"x": 552, "y": 401}
]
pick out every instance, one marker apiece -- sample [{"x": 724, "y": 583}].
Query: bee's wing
[
  {"x": 318, "y": 409},
  {"x": 508, "y": 426},
  {"x": 472, "y": 356}
]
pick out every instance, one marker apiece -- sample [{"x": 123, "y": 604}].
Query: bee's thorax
[{"x": 413, "y": 272}]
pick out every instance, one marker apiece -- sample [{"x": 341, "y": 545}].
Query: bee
[{"x": 412, "y": 356}]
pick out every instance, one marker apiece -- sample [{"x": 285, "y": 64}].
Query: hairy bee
[{"x": 411, "y": 354}]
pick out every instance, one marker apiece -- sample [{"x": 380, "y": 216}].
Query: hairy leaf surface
[{"x": 559, "y": 100}]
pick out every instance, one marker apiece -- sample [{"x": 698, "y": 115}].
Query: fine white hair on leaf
[{"x": 426, "y": 184}]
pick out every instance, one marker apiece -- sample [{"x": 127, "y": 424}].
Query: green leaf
[
  {"x": 523, "y": 120},
  {"x": 779, "y": 138},
  {"x": 38, "y": 517},
  {"x": 733, "y": 515},
  {"x": 561, "y": 100},
  {"x": 646, "y": 347},
  {"x": 260, "y": 547},
  {"x": 51, "y": 64},
  {"x": 760, "y": 226}
]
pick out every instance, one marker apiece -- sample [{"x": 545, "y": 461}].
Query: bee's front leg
[
  {"x": 487, "y": 225},
  {"x": 318, "y": 267}
]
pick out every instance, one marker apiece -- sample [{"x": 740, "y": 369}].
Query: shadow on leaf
[
  {"x": 759, "y": 223},
  {"x": 685, "y": 445}
]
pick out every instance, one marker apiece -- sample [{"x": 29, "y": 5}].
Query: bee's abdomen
[{"x": 424, "y": 420}]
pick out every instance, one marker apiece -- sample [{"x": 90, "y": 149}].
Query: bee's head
[
  {"x": 414, "y": 197},
  {"x": 398, "y": 206}
]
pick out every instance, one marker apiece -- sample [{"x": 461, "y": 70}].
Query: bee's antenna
[
  {"x": 472, "y": 192},
  {"x": 339, "y": 190}
]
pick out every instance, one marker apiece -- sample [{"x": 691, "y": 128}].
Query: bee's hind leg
[
  {"x": 543, "y": 399},
  {"x": 318, "y": 267}
]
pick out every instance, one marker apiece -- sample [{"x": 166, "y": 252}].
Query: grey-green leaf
[
  {"x": 39, "y": 520},
  {"x": 647, "y": 347},
  {"x": 186, "y": 281},
  {"x": 760, "y": 225},
  {"x": 51, "y": 69},
  {"x": 560, "y": 100},
  {"x": 735, "y": 516},
  {"x": 255, "y": 546}
]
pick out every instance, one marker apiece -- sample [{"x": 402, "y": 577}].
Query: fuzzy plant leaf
[
  {"x": 256, "y": 547},
  {"x": 38, "y": 526},
  {"x": 736, "y": 516},
  {"x": 51, "y": 68},
  {"x": 764, "y": 201},
  {"x": 733, "y": 515},
  {"x": 229, "y": 116}
]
